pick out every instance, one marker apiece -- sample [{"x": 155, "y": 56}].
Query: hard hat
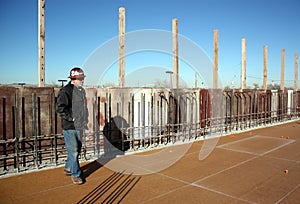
[{"x": 76, "y": 73}]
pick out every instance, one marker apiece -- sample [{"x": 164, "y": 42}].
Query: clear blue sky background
[{"x": 75, "y": 28}]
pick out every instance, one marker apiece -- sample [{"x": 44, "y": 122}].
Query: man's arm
[{"x": 63, "y": 106}]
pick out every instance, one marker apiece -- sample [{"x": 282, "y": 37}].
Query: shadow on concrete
[
  {"x": 113, "y": 145},
  {"x": 90, "y": 168},
  {"x": 112, "y": 190},
  {"x": 114, "y": 135}
]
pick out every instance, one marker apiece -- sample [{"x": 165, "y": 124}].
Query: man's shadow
[
  {"x": 90, "y": 168},
  {"x": 115, "y": 134},
  {"x": 114, "y": 142}
]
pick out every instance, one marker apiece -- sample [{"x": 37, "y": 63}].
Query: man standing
[{"x": 71, "y": 107}]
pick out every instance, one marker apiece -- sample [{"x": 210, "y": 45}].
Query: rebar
[{"x": 146, "y": 119}]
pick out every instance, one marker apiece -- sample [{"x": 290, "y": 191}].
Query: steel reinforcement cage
[{"x": 130, "y": 119}]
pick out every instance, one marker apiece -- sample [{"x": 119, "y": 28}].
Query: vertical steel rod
[{"x": 34, "y": 129}]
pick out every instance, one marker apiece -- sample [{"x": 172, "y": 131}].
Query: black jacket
[{"x": 71, "y": 107}]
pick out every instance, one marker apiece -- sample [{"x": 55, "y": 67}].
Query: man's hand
[{"x": 70, "y": 118}]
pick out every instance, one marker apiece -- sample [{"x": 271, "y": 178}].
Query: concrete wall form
[{"x": 130, "y": 119}]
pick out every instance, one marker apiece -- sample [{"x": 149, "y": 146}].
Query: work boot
[
  {"x": 77, "y": 180},
  {"x": 67, "y": 172}
]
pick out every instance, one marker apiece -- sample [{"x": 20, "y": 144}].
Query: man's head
[{"x": 77, "y": 76}]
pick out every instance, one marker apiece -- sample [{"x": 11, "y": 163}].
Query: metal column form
[
  {"x": 228, "y": 110},
  {"x": 186, "y": 113},
  {"x": 274, "y": 105},
  {"x": 116, "y": 111},
  {"x": 282, "y": 104},
  {"x": 243, "y": 110},
  {"x": 148, "y": 118},
  {"x": 217, "y": 111},
  {"x": 290, "y": 103},
  {"x": 194, "y": 117},
  {"x": 262, "y": 107},
  {"x": 247, "y": 108},
  {"x": 205, "y": 109},
  {"x": 268, "y": 106},
  {"x": 250, "y": 117},
  {"x": 237, "y": 110},
  {"x": 91, "y": 137}
]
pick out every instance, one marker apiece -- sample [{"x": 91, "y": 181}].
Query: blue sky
[{"x": 75, "y": 28}]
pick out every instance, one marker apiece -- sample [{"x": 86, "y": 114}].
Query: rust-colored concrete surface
[{"x": 248, "y": 167}]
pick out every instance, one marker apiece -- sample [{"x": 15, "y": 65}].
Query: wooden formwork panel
[
  {"x": 30, "y": 111},
  {"x": 38, "y": 126},
  {"x": 7, "y": 112},
  {"x": 36, "y": 111}
]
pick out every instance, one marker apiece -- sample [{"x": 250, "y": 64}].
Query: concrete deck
[{"x": 248, "y": 167}]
